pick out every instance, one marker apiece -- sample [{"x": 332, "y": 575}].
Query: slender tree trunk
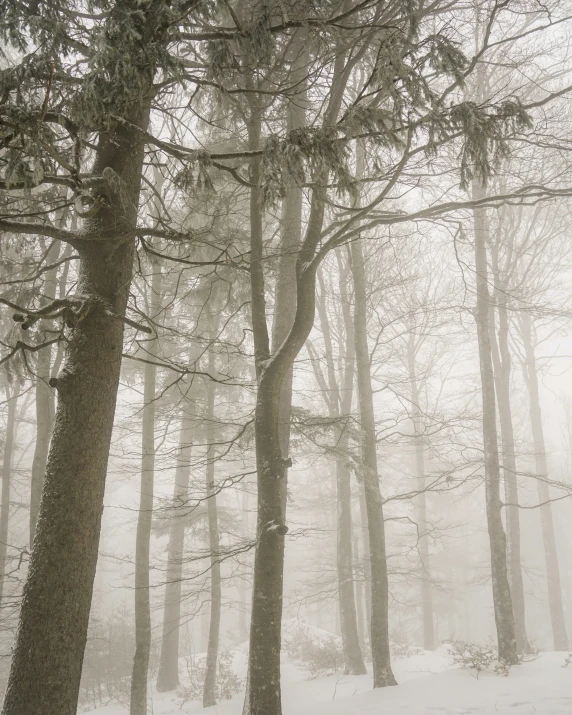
[
  {"x": 12, "y": 402},
  {"x": 45, "y": 404},
  {"x": 382, "y": 673},
  {"x": 209, "y": 690},
  {"x": 168, "y": 675},
  {"x": 426, "y": 581},
  {"x": 339, "y": 403},
  {"x": 353, "y": 659},
  {"x": 57, "y": 595},
  {"x": 359, "y": 597},
  {"x": 557, "y": 619},
  {"x": 502, "y": 372},
  {"x": 501, "y": 590},
  {"x": 139, "y": 675}
]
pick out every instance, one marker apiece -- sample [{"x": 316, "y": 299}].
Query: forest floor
[{"x": 429, "y": 685}]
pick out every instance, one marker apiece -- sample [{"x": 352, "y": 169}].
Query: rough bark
[
  {"x": 502, "y": 373},
  {"x": 421, "y": 502},
  {"x": 557, "y": 619},
  {"x": 139, "y": 675},
  {"x": 45, "y": 403},
  {"x": 209, "y": 690},
  {"x": 504, "y": 618},
  {"x": 382, "y": 673},
  {"x": 57, "y": 595},
  {"x": 168, "y": 675},
  {"x": 12, "y": 402}
]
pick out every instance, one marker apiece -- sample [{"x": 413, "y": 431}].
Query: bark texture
[
  {"x": 45, "y": 403},
  {"x": 57, "y": 595}
]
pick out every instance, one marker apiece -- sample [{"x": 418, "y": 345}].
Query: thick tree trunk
[
  {"x": 557, "y": 619},
  {"x": 501, "y": 590},
  {"x": 426, "y": 580},
  {"x": 12, "y": 401},
  {"x": 45, "y": 404},
  {"x": 382, "y": 673},
  {"x": 139, "y": 675},
  {"x": 46, "y": 665},
  {"x": 209, "y": 690},
  {"x": 502, "y": 373},
  {"x": 168, "y": 675}
]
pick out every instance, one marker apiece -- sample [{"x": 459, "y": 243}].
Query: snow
[{"x": 429, "y": 685}]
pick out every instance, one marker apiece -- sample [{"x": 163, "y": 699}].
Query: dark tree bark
[
  {"x": 57, "y": 595},
  {"x": 382, "y": 673},
  {"x": 209, "y": 690},
  {"x": 45, "y": 403},
  {"x": 9, "y": 437},
  {"x": 139, "y": 675},
  {"x": 501, "y": 590},
  {"x": 168, "y": 675},
  {"x": 557, "y": 619},
  {"x": 502, "y": 373},
  {"x": 426, "y": 581}
]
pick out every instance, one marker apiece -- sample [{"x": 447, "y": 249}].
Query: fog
[{"x": 285, "y": 357}]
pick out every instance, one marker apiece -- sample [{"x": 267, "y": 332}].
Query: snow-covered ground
[{"x": 429, "y": 685}]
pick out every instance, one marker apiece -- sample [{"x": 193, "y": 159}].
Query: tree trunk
[
  {"x": 501, "y": 591},
  {"x": 209, "y": 690},
  {"x": 557, "y": 619},
  {"x": 139, "y": 675},
  {"x": 426, "y": 581},
  {"x": 12, "y": 401},
  {"x": 502, "y": 373},
  {"x": 382, "y": 673},
  {"x": 168, "y": 675},
  {"x": 57, "y": 594},
  {"x": 45, "y": 403},
  {"x": 339, "y": 402}
]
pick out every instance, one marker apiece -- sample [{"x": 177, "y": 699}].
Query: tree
[{"x": 138, "y": 702}]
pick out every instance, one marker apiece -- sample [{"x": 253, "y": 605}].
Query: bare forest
[{"x": 285, "y": 357}]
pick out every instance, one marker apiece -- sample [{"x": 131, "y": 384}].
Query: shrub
[
  {"x": 227, "y": 681},
  {"x": 567, "y": 660},
  {"x": 477, "y": 658},
  {"x": 400, "y": 646},
  {"x": 318, "y": 652}
]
